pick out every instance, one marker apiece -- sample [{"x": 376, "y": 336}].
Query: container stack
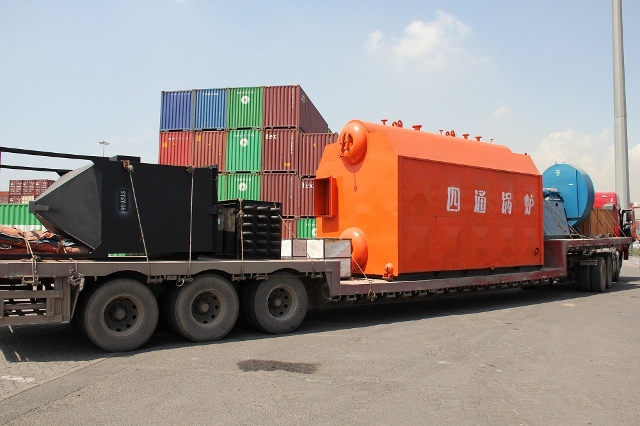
[
  {"x": 266, "y": 141},
  {"x": 23, "y": 191}
]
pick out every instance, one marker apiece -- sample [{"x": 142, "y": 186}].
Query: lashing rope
[{"x": 128, "y": 167}]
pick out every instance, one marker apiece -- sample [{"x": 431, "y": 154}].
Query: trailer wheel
[
  {"x": 584, "y": 277},
  {"x": 247, "y": 296},
  {"x": 598, "y": 275},
  {"x": 609, "y": 271},
  {"x": 204, "y": 310},
  {"x": 617, "y": 265},
  {"x": 279, "y": 304},
  {"x": 120, "y": 315}
]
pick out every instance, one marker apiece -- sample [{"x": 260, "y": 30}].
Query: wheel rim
[
  {"x": 123, "y": 315},
  {"x": 206, "y": 308},
  {"x": 282, "y": 303}
]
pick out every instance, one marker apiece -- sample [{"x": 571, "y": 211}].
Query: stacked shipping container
[
  {"x": 23, "y": 191},
  {"x": 266, "y": 141}
]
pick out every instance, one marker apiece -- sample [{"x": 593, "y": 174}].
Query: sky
[{"x": 533, "y": 75}]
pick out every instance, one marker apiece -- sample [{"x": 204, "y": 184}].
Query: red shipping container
[
  {"x": 175, "y": 148},
  {"x": 279, "y": 149},
  {"x": 28, "y": 187},
  {"x": 15, "y": 187},
  {"x": 310, "y": 148},
  {"x": 278, "y": 187},
  {"x": 289, "y": 229},
  {"x": 303, "y": 196},
  {"x": 15, "y": 199},
  {"x": 209, "y": 148},
  {"x": 288, "y": 107},
  {"x": 4, "y": 197}
]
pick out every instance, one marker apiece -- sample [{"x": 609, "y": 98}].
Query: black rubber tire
[
  {"x": 584, "y": 277},
  {"x": 120, "y": 315},
  {"x": 247, "y": 296},
  {"x": 609, "y": 270},
  {"x": 203, "y": 310},
  {"x": 599, "y": 275},
  {"x": 617, "y": 265},
  {"x": 279, "y": 303}
]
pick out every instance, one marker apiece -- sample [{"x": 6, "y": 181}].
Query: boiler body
[{"x": 417, "y": 202}]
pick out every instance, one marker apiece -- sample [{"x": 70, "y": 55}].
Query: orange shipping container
[{"x": 416, "y": 202}]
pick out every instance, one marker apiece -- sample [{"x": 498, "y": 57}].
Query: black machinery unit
[
  {"x": 249, "y": 229},
  {"x": 118, "y": 206}
]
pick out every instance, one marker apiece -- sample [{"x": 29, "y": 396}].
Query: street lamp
[{"x": 103, "y": 143}]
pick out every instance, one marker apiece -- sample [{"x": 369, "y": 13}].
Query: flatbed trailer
[{"x": 117, "y": 303}]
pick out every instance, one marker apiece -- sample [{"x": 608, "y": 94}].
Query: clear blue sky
[{"x": 535, "y": 76}]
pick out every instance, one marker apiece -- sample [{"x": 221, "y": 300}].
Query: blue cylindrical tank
[{"x": 576, "y": 190}]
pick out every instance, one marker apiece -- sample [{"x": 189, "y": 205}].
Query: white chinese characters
[
  {"x": 481, "y": 201},
  {"x": 453, "y": 199},
  {"x": 480, "y": 205},
  {"x": 506, "y": 203}
]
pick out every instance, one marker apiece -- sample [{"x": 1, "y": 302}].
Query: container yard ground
[{"x": 547, "y": 356}]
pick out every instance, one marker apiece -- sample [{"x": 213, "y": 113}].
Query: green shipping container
[
  {"x": 244, "y": 107},
  {"x": 243, "y": 185},
  {"x": 244, "y": 151},
  {"x": 222, "y": 187},
  {"x": 17, "y": 215},
  {"x": 306, "y": 228}
]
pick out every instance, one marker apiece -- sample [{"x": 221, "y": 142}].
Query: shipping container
[
  {"x": 306, "y": 228},
  {"x": 245, "y": 186},
  {"x": 15, "y": 199},
  {"x": 289, "y": 229},
  {"x": 279, "y": 149},
  {"x": 4, "y": 197},
  {"x": 15, "y": 187},
  {"x": 290, "y": 107},
  {"x": 210, "y": 109},
  {"x": 222, "y": 187},
  {"x": 279, "y": 187},
  {"x": 176, "y": 110},
  {"x": 303, "y": 196},
  {"x": 243, "y": 151},
  {"x": 310, "y": 148},
  {"x": 18, "y": 216},
  {"x": 209, "y": 149},
  {"x": 244, "y": 107},
  {"x": 175, "y": 148}
]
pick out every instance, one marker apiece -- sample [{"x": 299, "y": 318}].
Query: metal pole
[{"x": 620, "y": 110}]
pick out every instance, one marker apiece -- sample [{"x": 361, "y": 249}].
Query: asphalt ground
[{"x": 549, "y": 356}]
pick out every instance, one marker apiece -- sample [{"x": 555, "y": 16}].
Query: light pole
[{"x": 103, "y": 143}]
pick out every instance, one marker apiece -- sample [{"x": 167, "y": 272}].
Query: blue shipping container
[
  {"x": 176, "y": 110},
  {"x": 211, "y": 109}
]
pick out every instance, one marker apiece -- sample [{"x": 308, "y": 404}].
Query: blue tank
[{"x": 575, "y": 187}]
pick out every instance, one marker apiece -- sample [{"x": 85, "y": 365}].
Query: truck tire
[
  {"x": 609, "y": 268},
  {"x": 119, "y": 315},
  {"x": 203, "y": 310},
  {"x": 599, "y": 275},
  {"x": 584, "y": 277},
  {"x": 247, "y": 296},
  {"x": 278, "y": 304},
  {"x": 617, "y": 265}
]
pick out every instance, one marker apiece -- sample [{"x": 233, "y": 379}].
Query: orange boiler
[{"x": 415, "y": 202}]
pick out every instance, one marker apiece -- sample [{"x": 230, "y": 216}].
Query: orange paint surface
[{"x": 425, "y": 202}]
